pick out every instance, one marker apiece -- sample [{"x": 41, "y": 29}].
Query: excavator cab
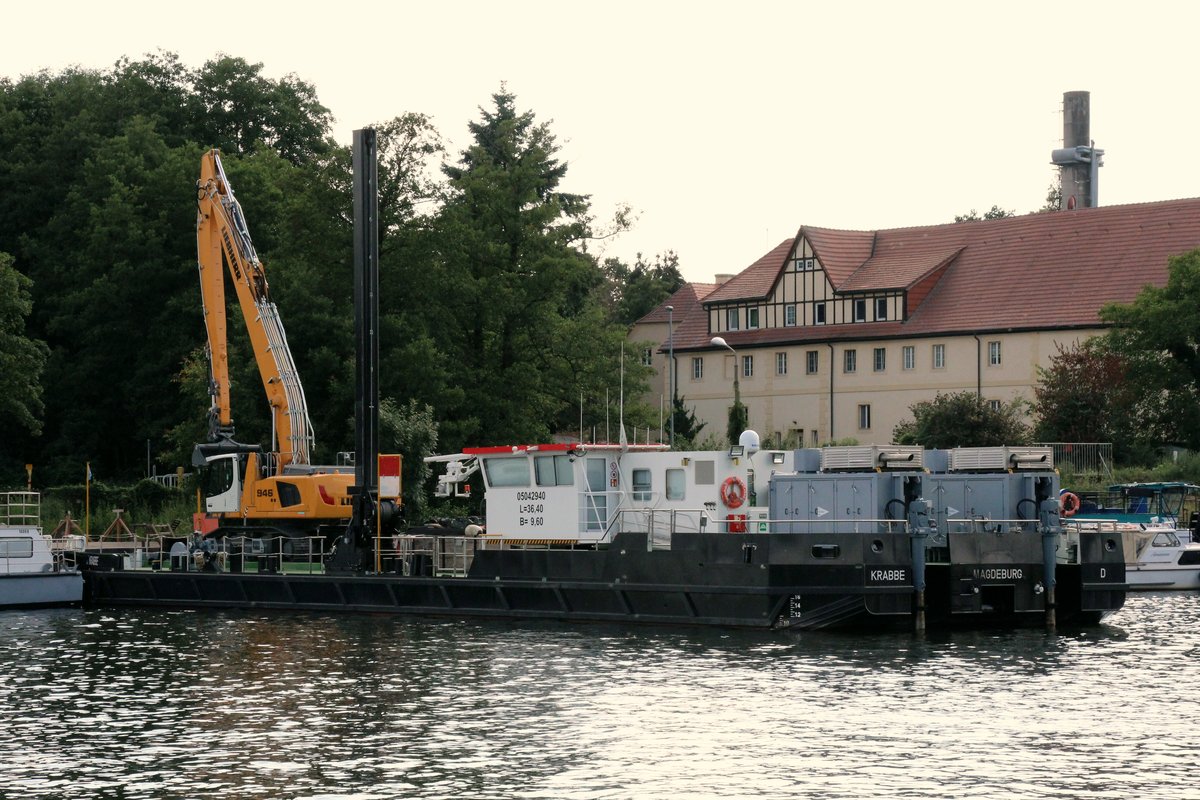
[{"x": 221, "y": 466}]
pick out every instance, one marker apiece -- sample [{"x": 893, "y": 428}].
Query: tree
[
  {"x": 995, "y": 212},
  {"x": 1156, "y": 335},
  {"x": 410, "y": 430},
  {"x": 1085, "y": 396},
  {"x": 963, "y": 419},
  {"x": 687, "y": 427},
  {"x": 516, "y": 315},
  {"x": 640, "y": 290},
  {"x": 22, "y": 358}
]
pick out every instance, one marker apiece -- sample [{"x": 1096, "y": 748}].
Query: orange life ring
[
  {"x": 733, "y": 492},
  {"x": 1068, "y": 502}
]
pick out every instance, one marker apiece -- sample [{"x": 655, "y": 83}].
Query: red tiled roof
[
  {"x": 1039, "y": 271},
  {"x": 758, "y": 279},
  {"x": 689, "y": 317}
]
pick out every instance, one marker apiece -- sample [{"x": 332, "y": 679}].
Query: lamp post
[
  {"x": 671, "y": 366},
  {"x": 737, "y": 392}
]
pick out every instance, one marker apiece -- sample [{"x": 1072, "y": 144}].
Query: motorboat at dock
[
  {"x": 841, "y": 537},
  {"x": 1160, "y": 552},
  {"x": 33, "y": 573}
]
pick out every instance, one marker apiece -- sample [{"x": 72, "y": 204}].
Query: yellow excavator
[{"x": 245, "y": 490}]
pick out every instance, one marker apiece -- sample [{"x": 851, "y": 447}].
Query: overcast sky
[{"x": 725, "y": 127}]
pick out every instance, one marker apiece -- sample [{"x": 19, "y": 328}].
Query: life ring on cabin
[
  {"x": 733, "y": 492},
  {"x": 1068, "y": 503}
]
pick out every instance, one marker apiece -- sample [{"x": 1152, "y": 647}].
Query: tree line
[{"x": 499, "y": 323}]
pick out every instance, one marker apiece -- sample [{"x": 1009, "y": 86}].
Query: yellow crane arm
[{"x": 223, "y": 243}]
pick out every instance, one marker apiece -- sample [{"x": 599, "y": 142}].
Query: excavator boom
[{"x": 223, "y": 244}]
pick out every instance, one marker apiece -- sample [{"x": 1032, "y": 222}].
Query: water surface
[{"x": 138, "y": 703}]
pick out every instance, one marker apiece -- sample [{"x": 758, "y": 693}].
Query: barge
[{"x": 836, "y": 538}]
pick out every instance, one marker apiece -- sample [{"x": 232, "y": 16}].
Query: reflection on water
[{"x": 145, "y": 703}]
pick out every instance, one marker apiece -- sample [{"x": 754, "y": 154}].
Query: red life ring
[
  {"x": 1069, "y": 503},
  {"x": 733, "y": 492}
]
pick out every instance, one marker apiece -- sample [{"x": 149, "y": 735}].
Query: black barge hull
[{"x": 799, "y": 581}]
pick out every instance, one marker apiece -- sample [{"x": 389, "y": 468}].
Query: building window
[
  {"x": 751, "y": 318},
  {"x": 815, "y": 441},
  {"x": 910, "y": 356},
  {"x": 881, "y": 308},
  {"x": 641, "y": 484},
  {"x": 731, "y": 319},
  {"x": 994, "y": 354},
  {"x": 939, "y": 356},
  {"x": 789, "y": 314},
  {"x": 860, "y": 310},
  {"x": 864, "y": 417},
  {"x": 747, "y": 366},
  {"x": 697, "y": 369},
  {"x": 851, "y": 361},
  {"x": 994, "y": 405},
  {"x": 812, "y": 361},
  {"x": 781, "y": 363},
  {"x": 818, "y": 313},
  {"x": 676, "y": 484},
  {"x": 805, "y": 264},
  {"x": 647, "y": 356},
  {"x": 880, "y": 362}
]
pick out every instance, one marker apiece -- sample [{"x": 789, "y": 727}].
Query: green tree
[
  {"x": 687, "y": 427},
  {"x": 640, "y": 290},
  {"x": 1085, "y": 396},
  {"x": 411, "y": 431},
  {"x": 995, "y": 212},
  {"x": 1156, "y": 335},
  {"x": 517, "y": 310},
  {"x": 963, "y": 419},
  {"x": 22, "y": 358}
]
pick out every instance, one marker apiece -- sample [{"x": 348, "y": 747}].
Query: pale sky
[{"x": 726, "y": 127}]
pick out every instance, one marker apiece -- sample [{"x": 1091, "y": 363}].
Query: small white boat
[
  {"x": 1159, "y": 553},
  {"x": 1162, "y": 557},
  {"x": 32, "y": 574}
]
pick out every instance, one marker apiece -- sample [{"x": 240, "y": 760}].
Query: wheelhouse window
[
  {"x": 641, "y": 484},
  {"x": 789, "y": 315},
  {"x": 506, "y": 471},
  {"x": 818, "y": 313},
  {"x": 850, "y": 361},
  {"x": 939, "y": 356},
  {"x": 732, "y": 319},
  {"x": 881, "y": 308},
  {"x": 697, "y": 369},
  {"x": 880, "y": 359},
  {"x": 812, "y": 361},
  {"x": 860, "y": 310},
  {"x": 994, "y": 354},
  {"x": 553, "y": 471},
  {"x": 16, "y": 548},
  {"x": 676, "y": 484},
  {"x": 909, "y": 353},
  {"x": 781, "y": 363}
]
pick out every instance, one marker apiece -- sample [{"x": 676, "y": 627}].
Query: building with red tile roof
[{"x": 837, "y": 333}]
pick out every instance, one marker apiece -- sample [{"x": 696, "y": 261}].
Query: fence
[{"x": 1083, "y": 458}]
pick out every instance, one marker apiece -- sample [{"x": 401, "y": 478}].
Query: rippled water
[{"x": 144, "y": 703}]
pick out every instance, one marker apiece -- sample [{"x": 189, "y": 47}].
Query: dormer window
[
  {"x": 818, "y": 313},
  {"x": 860, "y": 310},
  {"x": 881, "y": 310},
  {"x": 751, "y": 318},
  {"x": 732, "y": 319}
]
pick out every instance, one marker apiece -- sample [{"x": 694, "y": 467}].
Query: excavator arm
[{"x": 223, "y": 243}]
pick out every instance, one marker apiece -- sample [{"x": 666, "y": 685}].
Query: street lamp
[
  {"x": 737, "y": 392},
  {"x": 671, "y": 366}
]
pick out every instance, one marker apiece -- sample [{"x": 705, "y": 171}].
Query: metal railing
[
  {"x": 1083, "y": 458},
  {"x": 22, "y": 509}
]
